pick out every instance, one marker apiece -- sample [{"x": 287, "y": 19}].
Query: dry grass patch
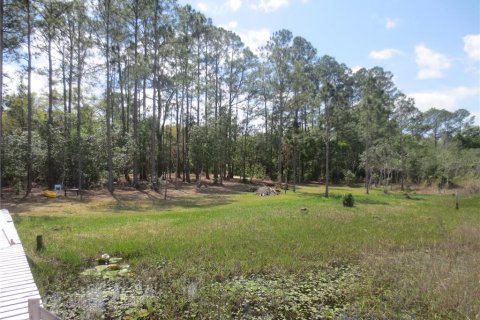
[{"x": 442, "y": 281}]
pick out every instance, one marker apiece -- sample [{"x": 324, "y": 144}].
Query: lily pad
[
  {"x": 101, "y": 268},
  {"x": 91, "y": 272},
  {"x": 109, "y": 270},
  {"x": 115, "y": 260},
  {"x": 110, "y": 274},
  {"x": 113, "y": 266}
]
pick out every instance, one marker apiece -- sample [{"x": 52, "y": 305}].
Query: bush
[
  {"x": 348, "y": 177},
  {"x": 348, "y": 200}
]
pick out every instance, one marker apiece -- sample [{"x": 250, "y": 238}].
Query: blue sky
[{"x": 431, "y": 46}]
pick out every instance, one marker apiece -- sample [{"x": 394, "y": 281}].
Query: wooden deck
[{"x": 16, "y": 280}]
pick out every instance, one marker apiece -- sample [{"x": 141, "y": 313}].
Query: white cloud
[
  {"x": 477, "y": 117},
  {"x": 384, "y": 54},
  {"x": 202, "y": 6},
  {"x": 391, "y": 23},
  {"x": 231, "y": 25},
  {"x": 450, "y": 98},
  {"x": 254, "y": 39},
  {"x": 356, "y": 68},
  {"x": 233, "y": 5},
  {"x": 269, "y": 5},
  {"x": 431, "y": 64},
  {"x": 472, "y": 46}
]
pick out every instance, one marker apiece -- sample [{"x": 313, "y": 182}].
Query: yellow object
[{"x": 50, "y": 194}]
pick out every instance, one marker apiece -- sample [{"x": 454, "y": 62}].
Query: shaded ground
[{"x": 185, "y": 195}]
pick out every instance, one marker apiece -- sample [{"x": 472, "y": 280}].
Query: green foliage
[
  {"x": 219, "y": 108},
  {"x": 470, "y": 137},
  {"x": 348, "y": 200},
  {"x": 348, "y": 177},
  {"x": 14, "y": 158}
]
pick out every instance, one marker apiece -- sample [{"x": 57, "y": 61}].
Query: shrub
[
  {"x": 348, "y": 177},
  {"x": 348, "y": 200}
]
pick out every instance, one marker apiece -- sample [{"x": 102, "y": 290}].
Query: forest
[{"x": 140, "y": 92}]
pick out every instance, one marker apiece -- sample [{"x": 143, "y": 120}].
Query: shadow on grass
[
  {"x": 158, "y": 203},
  {"x": 18, "y": 219},
  {"x": 130, "y": 199},
  {"x": 366, "y": 200},
  {"x": 318, "y": 195}
]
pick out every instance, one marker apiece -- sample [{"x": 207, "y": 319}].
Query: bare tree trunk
[
  {"x": 70, "y": 69},
  {"x": 122, "y": 97},
  {"x": 109, "y": 102},
  {"x": 145, "y": 54},
  {"x": 215, "y": 163},
  {"x": 245, "y": 142},
  {"x": 65, "y": 114},
  {"x": 327, "y": 146},
  {"x": 153, "y": 134},
  {"x": 135, "y": 104},
  {"x": 50, "y": 163},
  {"x": 177, "y": 141},
  {"x": 186, "y": 158},
  {"x": 207, "y": 163},
  {"x": 402, "y": 151},
  {"x": 29, "y": 102},
  {"x": 79, "y": 113},
  {"x": 197, "y": 165},
  {"x": 265, "y": 110},
  {"x": 280, "y": 141}
]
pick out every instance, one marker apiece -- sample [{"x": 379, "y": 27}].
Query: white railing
[{"x": 37, "y": 312}]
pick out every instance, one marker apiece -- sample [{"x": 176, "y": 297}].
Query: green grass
[{"x": 218, "y": 238}]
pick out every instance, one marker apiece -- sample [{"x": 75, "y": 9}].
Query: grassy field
[{"x": 222, "y": 253}]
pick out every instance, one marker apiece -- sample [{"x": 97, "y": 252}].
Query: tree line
[{"x": 144, "y": 91}]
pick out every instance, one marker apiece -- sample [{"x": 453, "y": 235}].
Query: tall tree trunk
[
  {"x": 229, "y": 158},
  {"x": 29, "y": 103},
  {"x": 367, "y": 163},
  {"x": 245, "y": 142},
  {"x": 50, "y": 162},
  {"x": 153, "y": 134},
  {"x": 327, "y": 146},
  {"x": 122, "y": 97},
  {"x": 182, "y": 124},
  {"x": 65, "y": 114},
  {"x": 402, "y": 154},
  {"x": 215, "y": 158},
  {"x": 197, "y": 164},
  {"x": 145, "y": 53},
  {"x": 177, "y": 140},
  {"x": 128, "y": 92},
  {"x": 135, "y": 103},
  {"x": 280, "y": 139},
  {"x": 265, "y": 110},
  {"x": 70, "y": 65},
  {"x": 198, "y": 81},
  {"x": 79, "y": 113},
  {"x": 109, "y": 101},
  {"x": 186, "y": 157},
  {"x": 207, "y": 162}
]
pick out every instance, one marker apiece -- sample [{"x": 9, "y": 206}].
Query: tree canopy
[{"x": 143, "y": 91}]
